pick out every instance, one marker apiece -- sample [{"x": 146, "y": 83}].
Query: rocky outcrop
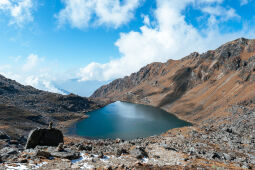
[{"x": 44, "y": 137}]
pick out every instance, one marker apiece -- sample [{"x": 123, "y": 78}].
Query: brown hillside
[
  {"x": 195, "y": 88},
  {"x": 23, "y": 108}
]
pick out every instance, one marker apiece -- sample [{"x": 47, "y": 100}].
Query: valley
[{"x": 215, "y": 91}]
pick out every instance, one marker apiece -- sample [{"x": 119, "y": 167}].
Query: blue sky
[{"x": 48, "y": 41}]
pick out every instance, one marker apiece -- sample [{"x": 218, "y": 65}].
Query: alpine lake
[{"x": 125, "y": 121}]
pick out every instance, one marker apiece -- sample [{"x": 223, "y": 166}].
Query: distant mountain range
[{"x": 80, "y": 88}]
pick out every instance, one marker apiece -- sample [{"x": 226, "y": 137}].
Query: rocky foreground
[{"x": 230, "y": 145}]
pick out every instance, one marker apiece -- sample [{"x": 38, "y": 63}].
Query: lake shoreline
[
  {"x": 172, "y": 113},
  {"x": 163, "y": 122}
]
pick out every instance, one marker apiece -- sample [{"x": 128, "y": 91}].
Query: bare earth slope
[
  {"x": 23, "y": 107},
  {"x": 195, "y": 88}
]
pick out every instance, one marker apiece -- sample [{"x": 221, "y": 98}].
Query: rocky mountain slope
[
  {"x": 195, "y": 88},
  {"x": 24, "y": 107}
]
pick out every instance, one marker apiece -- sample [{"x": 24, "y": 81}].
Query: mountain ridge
[
  {"x": 192, "y": 86},
  {"x": 24, "y": 105}
]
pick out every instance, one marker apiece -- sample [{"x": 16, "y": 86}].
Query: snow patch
[{"x": 17, "y": 166}]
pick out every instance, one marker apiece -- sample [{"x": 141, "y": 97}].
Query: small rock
[
  {"x": 118, "y": 140},
  {"x": 81, "y": 147},
  {"x": 14, "y": 158},
  {"x": 215, "y": 155},
  {"x": 22, "y": 160},
  {"x": 66, "y": 155},
  {"x": 121, "y": 151},
  {"x": 31, "y": 162},
  {"x": 101, "y": 156},
  {"x": 93, "y": 160},
  {"x": 60, "y": 147},
  {"x": 3, "y": 135},
  {"x": 227, "y": 157},
  {"x": 75, "y": 166},
  {"x": 156, "y": 156},
  {"x": 8, "y": 151},
  {"x": 42, "y": 154},
  {"x": 13, "y": 142},
  {"x": 139, "y": 153},
  {"x": 22, "y": 140},
  {"x": 108, "y": 168},
  {"x": 204, "y": 136},
  {"x": 170, "y": 148},
  {"x": 50, "y": 125},
  {"x": 88, "y": 148}
]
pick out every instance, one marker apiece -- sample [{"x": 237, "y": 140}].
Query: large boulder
[{"x": 44, "y": 137}]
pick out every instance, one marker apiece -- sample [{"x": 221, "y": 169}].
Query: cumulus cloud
[
  {"x": 42, "y": 82},
  {"x": 83, "y": 13},
  {"x": 20, "y": 11},
  {"x": 34, "y": 71},
  {"x": 31, "y": 62},
  {"x": 171, "y": 38}
]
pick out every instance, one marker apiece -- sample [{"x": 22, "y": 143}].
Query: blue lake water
[{"x": 126, "y": 121}]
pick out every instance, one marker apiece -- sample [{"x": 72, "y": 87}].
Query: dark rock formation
[
  {"x": 3, "y": 135},
  {"x": 44, "y": 137},
  {"x": 45, "y": 154}
]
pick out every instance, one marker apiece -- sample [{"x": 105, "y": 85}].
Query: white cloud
[
  {"x": 41, "y": 82},
  {"x": 146, "y": 20},
  {"x": 83, "y": 13},
  {"x": 244, "y": 2},
  {"x": 20, "y": 11},
  {"x": 31, "y": 62},
  {"x": 4, "y": 3},
  {"x": 223, "y": 13},
  {"x": 34, "y": 71},
  {"x": 171, "y": 38}
]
